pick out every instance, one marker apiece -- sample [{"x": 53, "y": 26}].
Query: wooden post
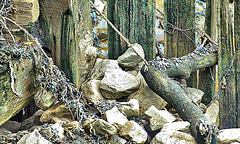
[
  {"x": 135, "y": 20},
  {"x": 66, "y": 28},
  {"x": 208, "y": 76},
  {"x": 237, "y": 64},
  {"x": 227, "y": 79},
  {"x": 180, "y": 14}
]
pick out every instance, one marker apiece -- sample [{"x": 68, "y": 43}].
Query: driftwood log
[{"x": 157, "y": 76}]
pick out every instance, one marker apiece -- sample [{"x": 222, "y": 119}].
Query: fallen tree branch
[
  {"x": 176, "y": 96},
  {"x": 182, "y": 67}
]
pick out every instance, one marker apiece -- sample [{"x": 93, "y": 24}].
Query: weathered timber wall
[
  {"x": 227, "y": 79},
  {"x": 237, "y": 65},
  {"x": 208, "y": 76},
  {"x": 180, "y": 14},
  {"x": 66, "y": 30},
  {"x": 135, "y": 20}
]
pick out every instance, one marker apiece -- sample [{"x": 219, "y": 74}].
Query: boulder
[
  {"x": 133, "y": 132},
  {"x": 173, "y": 137},
  {"x": 33, "y": 138},
  {"x": 212, "y": 113},
  {"x": 101, "y": 66},
  {"x": 146, "y": 98},
  {"x": 195, "y": 94},
  {"x": 91, "y": 90},
  {"x": 182, "y": 126},
  {"x": 131, "y": 109},
  {"x": 28, "y": 123},
  {"x": 158, "y": 118},
  {"x": 118, "y": 83},
  {"x": 115, "y": 117},
  {"x": 130, "y": 59},
  {"x": 102, "y": 127},
  {"x": 226, "y": 136}
]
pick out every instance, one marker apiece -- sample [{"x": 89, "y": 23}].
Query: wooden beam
[{"x": 11, "y": 104}]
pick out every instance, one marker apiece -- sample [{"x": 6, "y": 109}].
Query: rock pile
[{"x": 133, "y": 112}]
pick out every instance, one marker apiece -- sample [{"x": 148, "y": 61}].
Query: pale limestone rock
[
  {"x": 133, "y": 132},
  {"x": 33, "y": 138},
  {"x": 115, "y": 117},
  {"x": 182, "y": 126},
  {"x": 195, "y": 94},
  {"x": 146, "y": 98},
  {"x": 173, "y": 137},
  {"x": 91, "y": 90},
  {"x": 131, "y": 109},
  {"x": 226, "y": 136},
  {"x": 212, "y": 113},
  {"x": 159, "y": 117},
  {"x": 102, "y": 127},
  {"x": 118, "y": 83},
  {"x": 101, "y": 66},
  {"x": 130, "y": 59}
]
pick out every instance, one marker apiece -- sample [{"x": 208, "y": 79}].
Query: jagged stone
[
  {"x": 101, "y": 66},
  {"x": 195, "y": 94},
  {"x": 146, "y": 98},
  {"x": 212, "y": 113},
  {"x": 115, "y": 117},
  {"x": 173, "y": 137},
  {"x": 131, "y": 109},
  {"x": 91, "y": 90},
  {"x": 33, "y": 138},
  {"x": 182, "y": 126},
  {"x": 133, "y": 132},
  {"x": 102, "y": 127},
  {"x": 226, "y": 136},
  {"x": 118, "y": 83},
  {"x": 130, "y": 59},
  {"x": 158, "y": 118},
  {"x": 28, "y": 123}
]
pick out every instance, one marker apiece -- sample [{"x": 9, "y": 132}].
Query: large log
[
  {"x": 10, "y": 103},
  {"x": 176, "y": 96}
]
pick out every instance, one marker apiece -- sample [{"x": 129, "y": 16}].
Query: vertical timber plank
[
  {"x": 182, "y": 15},
  {"x": 237, "y": 65},
  {"x": 227, "y": 83},
  {"x": 135, "y": 19},
  {"x": 211, "y": 30}
]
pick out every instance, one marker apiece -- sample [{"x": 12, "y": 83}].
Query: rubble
[
  {"x": 158, "y": 118},
  {"x": 102, "y": 127},
  {"x": 146, "y": 98},
  {"x": 115, "y": 117},
  {"x": 117, "y": 83},
  {"x": 133, "y": 132},
  {"x": 131, "y": 109},
  {"x": 229, "y": 136}
]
